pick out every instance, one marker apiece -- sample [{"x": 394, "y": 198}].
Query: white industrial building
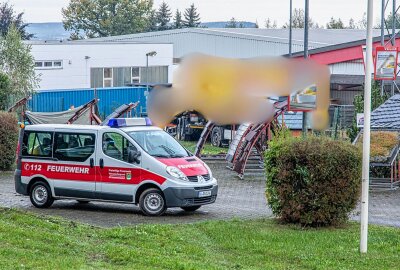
[{"x": 73, "y": 65}]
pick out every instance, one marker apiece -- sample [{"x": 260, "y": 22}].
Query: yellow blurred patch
[{"x": 232, "y": 91}]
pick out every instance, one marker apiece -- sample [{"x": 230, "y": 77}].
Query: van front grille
[{"x": 195, "y": 178}]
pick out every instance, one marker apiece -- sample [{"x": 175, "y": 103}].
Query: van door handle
[
  {"x": 101, "y": 163},
  {"x": 91, "y": 163}
]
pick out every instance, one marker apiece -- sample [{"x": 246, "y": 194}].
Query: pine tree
[
  {"x": 163, "y": 16},
  {"x": 153, "y": 25},
  {"x": 192, "y": 18},
  {"x": 335, "y": 24},
  {"x": 232, "y": 23},
  {"x": 352, "y": 25},
  {"x": 178, "y": 20}
]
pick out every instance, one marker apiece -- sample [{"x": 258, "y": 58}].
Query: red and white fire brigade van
[{"x": 127, "y": 161}]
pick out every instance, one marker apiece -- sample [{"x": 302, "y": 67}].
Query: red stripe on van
[{"x": 74, "y": 172}]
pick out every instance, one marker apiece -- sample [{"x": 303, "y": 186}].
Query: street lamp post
[{"x": 149, "y": 54}]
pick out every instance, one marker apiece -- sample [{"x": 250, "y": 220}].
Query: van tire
[
  {"x": 152, "y": 202},
  {"x": 40, "y": 195},
  {"x": 191, "y": 208}
]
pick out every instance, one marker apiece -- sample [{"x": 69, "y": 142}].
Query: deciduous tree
[
  {"x": 298, "y": 19},
  {"x": 17, "y": 62},
  {"x": 101, "y": 18},
  {"x": 4, "y": 91},
  {"x": 9, "y": 18}
]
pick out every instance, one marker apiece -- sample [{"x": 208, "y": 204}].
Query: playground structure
[
  {"x": 84, "y": 114},
  {"x": 248, "y": 144}
]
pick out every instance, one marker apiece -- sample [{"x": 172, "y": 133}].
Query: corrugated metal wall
[
  {"x": 345, "y": 97},
  {"x": 219, "y": 44},
  {"x": 110, "y": 99}
]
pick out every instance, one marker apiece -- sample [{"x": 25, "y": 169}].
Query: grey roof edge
[
  {"x": 204, "y": 31},
  {"x": 340, "y": 46},
  {"x": 82, "y": 42}
]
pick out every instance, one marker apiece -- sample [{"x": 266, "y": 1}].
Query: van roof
[
  {"x": 86, "y": 127},
  {"x": 64, "y": 126}
]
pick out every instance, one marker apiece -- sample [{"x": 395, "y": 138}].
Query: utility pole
[
  {"x": 394, "y": 13},
  {"x": 366, "y": 133},
  {"x": 290, "y": 28},
  {"x": 306, "y": 8}
]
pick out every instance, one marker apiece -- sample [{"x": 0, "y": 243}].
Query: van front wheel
[
  {"x": 152, "y": 202},
  {"x": 40, "y": 195}
]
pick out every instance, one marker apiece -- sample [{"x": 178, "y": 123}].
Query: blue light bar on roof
[{"x": 129, "y": 122}]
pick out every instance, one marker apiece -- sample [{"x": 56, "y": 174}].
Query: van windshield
[{"x": 159, "y": 144}]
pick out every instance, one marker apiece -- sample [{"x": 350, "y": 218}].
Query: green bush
[
  {"x": 313, "y": 181},
  {"x": 8, "y": 140}
]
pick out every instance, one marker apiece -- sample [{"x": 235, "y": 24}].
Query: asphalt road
[{"x": 236, "y": 199}]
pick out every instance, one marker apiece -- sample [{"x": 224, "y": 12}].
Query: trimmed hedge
[
  {"x": 313, "y": 181},
  {"x": 8, "y": 140}
]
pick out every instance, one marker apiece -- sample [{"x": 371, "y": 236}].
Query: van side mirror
[{"x": 133, "y": 156}]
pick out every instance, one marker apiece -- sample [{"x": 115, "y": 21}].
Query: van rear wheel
[
  {"x": 40, "y": 195},
  {"x": 152, "y": 202},
  {"x": 191, "y": 208}
]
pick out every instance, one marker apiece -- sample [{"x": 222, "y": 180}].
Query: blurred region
[{"x": 228, "y": 91}]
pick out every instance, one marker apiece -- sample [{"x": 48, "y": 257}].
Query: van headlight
[
  {"x": 209, "y": 170},
  {"x": 175, "y": 172}
]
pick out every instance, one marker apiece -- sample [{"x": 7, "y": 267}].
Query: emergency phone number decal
[
  {"x": 56, "y": 168},
  {"x": 33, "y": 167}
]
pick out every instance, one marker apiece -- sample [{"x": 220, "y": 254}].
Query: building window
[
  {"x": 107, "y": 77},
  {"x": 49, "y": 64},
  {"x": 135, "y": 75}
]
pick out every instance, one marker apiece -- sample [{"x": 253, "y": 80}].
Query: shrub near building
[
  {"x": 8, "y": 140},
  {"x": 313, "y": 181}
]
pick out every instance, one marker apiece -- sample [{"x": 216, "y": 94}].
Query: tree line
[
  {"x": 298, "y": 21},
  {"x": 102, "y": 18}
]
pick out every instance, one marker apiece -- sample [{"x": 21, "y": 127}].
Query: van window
[
  {"x": 73, "y": 146},
  {"x": 37, "y": 144},
  {"x": 116, "y": 146}
]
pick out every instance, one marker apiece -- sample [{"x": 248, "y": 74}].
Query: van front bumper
[{"x": 183, "y": 196}]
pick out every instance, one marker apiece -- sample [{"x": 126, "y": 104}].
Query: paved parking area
[{"x": 236, "y": 199}]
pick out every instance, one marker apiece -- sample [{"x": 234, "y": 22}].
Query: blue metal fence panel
[{"x": 110, "y": 99}]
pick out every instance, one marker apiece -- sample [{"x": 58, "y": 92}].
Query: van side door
[
  {"x": 73, "y": 171},
  {"x": 117, "y": 176}
]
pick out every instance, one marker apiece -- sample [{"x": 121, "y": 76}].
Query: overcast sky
[{"x": 221, "y": 10}]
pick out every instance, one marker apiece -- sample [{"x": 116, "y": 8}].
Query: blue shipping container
[{"x": 110, "y": 99}]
